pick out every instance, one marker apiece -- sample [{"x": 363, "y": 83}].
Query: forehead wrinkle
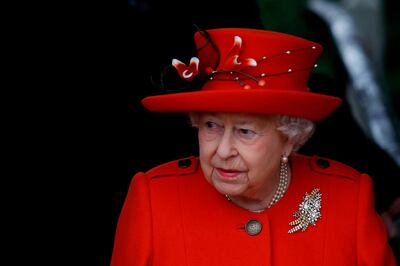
[{"x": 241, "y": 119}]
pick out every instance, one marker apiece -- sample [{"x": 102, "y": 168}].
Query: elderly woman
[{"x": 249, "y": 198}]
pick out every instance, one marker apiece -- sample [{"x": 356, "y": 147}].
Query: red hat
[{"x": 250, "y": 71}]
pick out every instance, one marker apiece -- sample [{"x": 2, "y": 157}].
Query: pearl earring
[{"x": 284, "y": 158}]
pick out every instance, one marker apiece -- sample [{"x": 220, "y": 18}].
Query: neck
[{"x": 253, "y": 205}]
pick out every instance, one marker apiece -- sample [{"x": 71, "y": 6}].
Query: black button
[
  {"x": 323, "y": 163},
  {"x": 184, "y": 163},
  {"x": 253, "y": 227}
]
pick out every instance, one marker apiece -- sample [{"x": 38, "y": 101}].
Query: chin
[{"x": 228, "y": 188}]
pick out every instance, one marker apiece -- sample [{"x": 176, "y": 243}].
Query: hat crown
[{"x": 283, "y": 61}]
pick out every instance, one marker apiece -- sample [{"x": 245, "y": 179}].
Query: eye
[
  {"x": 212, "y": 127},
  {"x": 246, "y": 133},
  {"x": 210, "y": 124}
]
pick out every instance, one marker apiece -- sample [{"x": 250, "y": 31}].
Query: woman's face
[{"x": 240, "y": 153}]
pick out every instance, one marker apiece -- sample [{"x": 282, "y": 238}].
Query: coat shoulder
[
  {"x": 330, "y": 167},
  {"x": 183, "y": 166}
]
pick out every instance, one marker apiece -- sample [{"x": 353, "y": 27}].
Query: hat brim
[{"x": 308, "y": 105}]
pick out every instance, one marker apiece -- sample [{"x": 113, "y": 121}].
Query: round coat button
[
  {"x": 184, "y": 163},
  {"x": 323, "y": 163},
  {"x": 253, "y": 227}
]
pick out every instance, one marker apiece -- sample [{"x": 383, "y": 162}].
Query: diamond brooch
[{"x": 308, "y": 213}]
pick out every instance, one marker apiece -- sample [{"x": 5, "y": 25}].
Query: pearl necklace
[{"x": 280, "y": 191}]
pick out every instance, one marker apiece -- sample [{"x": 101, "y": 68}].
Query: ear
[
  {"x": 288, "y": 146},
  {"x": 287, "y": 143}
]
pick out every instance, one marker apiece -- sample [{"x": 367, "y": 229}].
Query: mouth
[{"x": 228, "y": 174}]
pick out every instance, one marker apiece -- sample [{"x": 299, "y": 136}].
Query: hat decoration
[
  {"x": 233, "y": 66},
  {"x": 179, "y": 77},
  {"x": 187, "y": 72}
]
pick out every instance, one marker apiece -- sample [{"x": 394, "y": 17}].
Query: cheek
[
  {"x": 260, "y": 155},
  {"x": 205, "y": 156},
  {"x": 206, "y": 166},
  {"x": 206, "y": 146}
]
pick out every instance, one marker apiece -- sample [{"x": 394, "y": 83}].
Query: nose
[{"x": 226, "y": 146}]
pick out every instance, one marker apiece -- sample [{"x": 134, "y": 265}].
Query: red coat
[{"x": 173, "y": 216}]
